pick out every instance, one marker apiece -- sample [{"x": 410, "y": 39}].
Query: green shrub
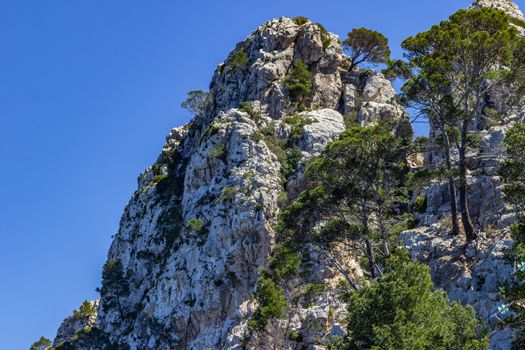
[
  {"x": 257, "y": 136},
  {"x": 271, "y": 303},
  {"x": 300, "y": 20},
  {"x": 212, "y": 130},
  {"x": 420, "y": 205},
  {"x": 284, "y": 262},
  {"x": 518, "y": 22},
  {"x": 297, "y": 122},
  {"x": 250, "y": 110},
  {"x": 238, "y": 59},
  {"x": 195, "y": 224},
  {"x": 325, "y": 36},
  {"x": 159, "y": 178},
  {"x": 218, "y": 152},
  {"x": 351, "y": 120},
  {"x": 402, "y": 311},
  {"x": 227, "y": 193},
  {"x": 313, "y": 290},
  {"x": 85, "y": 310},
  {"x": 41, "y": 344},
  {"x": 295, "y": 336},
  {"x": 299, "y": 81}
]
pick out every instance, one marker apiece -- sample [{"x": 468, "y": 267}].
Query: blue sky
[{"x": 88, "y": 91}]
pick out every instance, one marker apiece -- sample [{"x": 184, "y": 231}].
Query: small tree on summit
[
  {"x": 365, "y": 45},
  {"x": 41, "y": 344}
]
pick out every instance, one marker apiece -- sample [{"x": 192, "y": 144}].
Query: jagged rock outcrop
[
  {"x": 76, "y": 323},
  {"x": 508, "y": 6},
  {"x": 470, "y": 273},
  {"x": 198, "y": 229},
  {"x": 195, "y": 234}
]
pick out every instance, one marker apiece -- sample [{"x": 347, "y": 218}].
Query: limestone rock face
[
  {"x": 470, "y": 273},
  {"x": 195, "y": 234},
  {"x": 75, "y": 323},
  {"x": 508, "y": 6}
]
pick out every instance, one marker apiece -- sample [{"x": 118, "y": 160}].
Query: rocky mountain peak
[
  {"x": 509, "y": 6},
  {"x": 195, "y": 234},
  {"x": 256, "y": 69}
]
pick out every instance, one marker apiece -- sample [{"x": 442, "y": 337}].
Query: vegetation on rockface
[
  {"x": 513, "y": 175},
  {"x": 85, "y": 310},
  {"x": 41, "y": 344},
  {"x": 403, "y": 312},
  {"x": 300, "y": 20},
  {"x": 197, "y": 101},
  {"x": 513, "y": 170},
  {"x": 271, "y": 303},
  {"x": 366, "y": 46},
  {"x": 195, "y": 224},
  {"x": 114, "y": 286},
  {"x": 299, "y": 82},
  {"x": 325, "y": 36},
  {"x": 353, "y": 187},
  {"x": 238, "y": 59},
  {"x": 476, "y": 50},
  {"x": 90, "y": 338}
]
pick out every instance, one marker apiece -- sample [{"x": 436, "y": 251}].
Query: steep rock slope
[{"x": 199, "y": 227}]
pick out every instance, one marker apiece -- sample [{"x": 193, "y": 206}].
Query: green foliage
[
  {"x": 85, "y": 310},
  {"x": 513, "y": 174},
  {"x": 351, "y": 120},
  {"x": 518, "y": 22},
  {"x": 228, "y": 193},
  {"x": 325, "y": 36},
  {"x": 114, "y": 285},
  {"x": 420, "y": 144},
  {"x": 420, "y": 205},
  {"x": 218, "y": 152},
  {"x": 197, "y": 101},
  {"x": 365, "y": 45},
  {"x": 300, "y": 20},
  {"x": 352, "y": 189},
  {"x": 195, "y": 224},
  {"x": 249, "y": 108},
  {"x": 284, "y": 262},
  {"x": 470, "y": 49},
  {"x": 295, "y": 336},
  {"x": 313, "y": 290},
  {"x": 238, "y": 59},
  {"x": 297, "y": 123},
  {"x": 513, "y": 170},
  {"x": 271, "y": 303},
  {"x": 407, "y": 222},
  {"x": 41, "y": 344},
  {"x": 212, "y": 130},
  {"x": 299, "y": 81},
  {"x": 403, "y": 312}
]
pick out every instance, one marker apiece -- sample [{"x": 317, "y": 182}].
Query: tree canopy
[
  {"x": 196, "y": 102},
  {"x": 365, "y": 45},
  {"x": 455, "y": 65},
  {"x": 401, "y": 311}
]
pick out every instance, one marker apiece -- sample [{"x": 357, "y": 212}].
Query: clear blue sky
[{"x": 88, "y": 91}]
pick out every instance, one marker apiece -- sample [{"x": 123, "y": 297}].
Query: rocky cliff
[{"x": 195, "y": 234}]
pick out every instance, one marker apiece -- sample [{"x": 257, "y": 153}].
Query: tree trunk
[
  {"x": 470, "y": 232},
  {"x": 371, "y": 258},
  {"x": 368, "y": 245},
  {"x": 452, "y": 187}
]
